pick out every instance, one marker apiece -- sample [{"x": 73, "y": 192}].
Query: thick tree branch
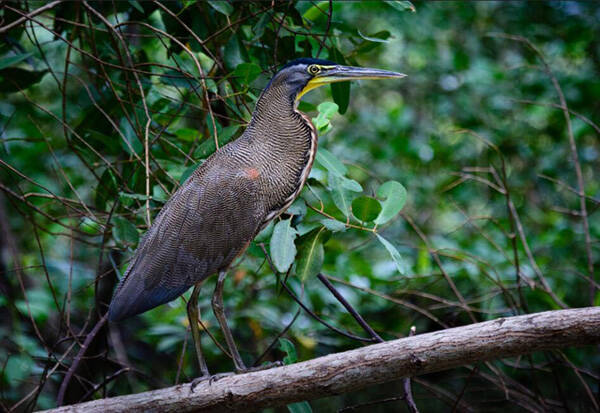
[{"x": 366, "y": 366}]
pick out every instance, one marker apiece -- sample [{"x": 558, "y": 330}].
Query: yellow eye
[{"x": 313, "y": 69}]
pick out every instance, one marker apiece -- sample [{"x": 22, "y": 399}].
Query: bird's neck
[{"x": 276, "y": 119}]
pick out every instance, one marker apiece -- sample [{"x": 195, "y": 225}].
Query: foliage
[{"x": 464, "y": 192}]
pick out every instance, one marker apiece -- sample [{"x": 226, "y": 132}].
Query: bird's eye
[{"x": 313, "y": 69}]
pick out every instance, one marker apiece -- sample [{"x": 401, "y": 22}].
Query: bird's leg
[
  {"x": 219, "y": 310},
  {"x": 192, "y": 310}
]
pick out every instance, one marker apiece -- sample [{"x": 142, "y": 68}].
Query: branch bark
[{"x": 367, "y": 366}]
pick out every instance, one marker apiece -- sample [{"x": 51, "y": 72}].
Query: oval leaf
[
  {"x": 402, "y": 5},
  {"x": 310, "y": 255},
  {"x": 299, "y": 407},
  {"x": 333, "y": 225},
  {"x": 246, "y": 72},
  {"x": 400, "y": 264},
  {"x": 330, "y": 162},
  {"x": 283, "y": 250},
  {"x": 13, "y": 60},
  {"x": 221, "y": 6},
  {"x": 340, "y": 91},
  {"x": 125, "y": 232},
  {"x": 394, "y": 196},
  {"x": 289, "y": 349},
  {"x": 342, "y": 196},
  {"x": 365, "y": 208}
]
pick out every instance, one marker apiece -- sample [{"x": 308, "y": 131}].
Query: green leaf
[
  {"x": 228, "y": 133},
  {"x": 310, "y": 255},
  {"x": 18, "y": 366},
  {"x": 317, "y": 11},
  {"x": 365, "y": 208},
  {"x": 394, "y": 196},
  {"x": 189, "y": 170},
  {"x": 39, "y": 300},
  {"x": 265, "y": 234},
  {"x": 330, "y": 162},
  {"x": 400, "y": 264},
  {"x": 259, "y": 28},
  {"x": 106, "y": 189},
  {"x": 207, "y": 148},
  {"x": 328, "y": 109},
  {"x": 137, "y": 5},
  {"x": 298, "y": 208},
  {"x": 13, "y": 60},
  {"x": 350, "y": 184},
  {"x": 125, "y": 232},
  {"x": 333, "y": 225},
  {"x": 131, "y": 143},
  {"x": 289, "y": 349},
  {"x": 177, "y": 79},
  {"x": 326, "y": 112},
  {"x": 158, "y": 194},
  {"x": 341, "y": 194},
  {"x": 402, "y": 5},
  {"x": 246, "y": 72},
  {"x": 188, "y": 134},
  {"x": 340, "y": 91},
  {"x": 379, "y": 37},
  {"x": 299, "y": 407},
  {"x": 222, "y": 6},
  {"x": 90, "y": 227},
  {"x": 283, "y": 250},
  {"x": 234, "y": 53}
]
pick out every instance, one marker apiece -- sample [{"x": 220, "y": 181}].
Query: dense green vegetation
[{"x": 493, "y": 134}]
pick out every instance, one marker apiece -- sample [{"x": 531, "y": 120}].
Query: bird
[{"x": 213, "y": 216}]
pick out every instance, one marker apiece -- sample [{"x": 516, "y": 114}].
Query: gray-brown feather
[{"x": 213, "y": 216}]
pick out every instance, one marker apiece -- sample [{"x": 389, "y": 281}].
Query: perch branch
[{"x": 378, "y": 363}]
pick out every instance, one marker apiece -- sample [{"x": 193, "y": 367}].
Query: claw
[{"x": 211, "y": 379}]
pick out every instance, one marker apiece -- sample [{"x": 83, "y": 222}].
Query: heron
[{"x": 214, "y": 215}]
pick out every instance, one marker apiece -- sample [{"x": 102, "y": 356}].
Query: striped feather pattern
[{"x": 213, "y": 216}]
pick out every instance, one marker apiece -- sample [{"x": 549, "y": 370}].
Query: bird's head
[{"x": 303, "y": 75}]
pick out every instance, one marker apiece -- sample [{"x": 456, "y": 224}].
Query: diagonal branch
[{"x": 367, "y": 366}]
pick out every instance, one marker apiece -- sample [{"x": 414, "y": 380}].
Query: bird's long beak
[
  {"x": 331, "y": 74},
  {"x": 341, "y": 73}
]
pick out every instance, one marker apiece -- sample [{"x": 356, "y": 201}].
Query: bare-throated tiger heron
[{"x": 222, "y": 206}]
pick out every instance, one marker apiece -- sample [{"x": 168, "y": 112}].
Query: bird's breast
[{"x": 289, "y": 164}]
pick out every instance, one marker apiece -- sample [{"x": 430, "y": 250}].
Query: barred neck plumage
[
  {"x": 276, "y": 118},
  {"x": 284, "y": 144}
]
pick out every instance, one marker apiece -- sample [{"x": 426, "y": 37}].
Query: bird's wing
[{"x": 207, "y": 223}]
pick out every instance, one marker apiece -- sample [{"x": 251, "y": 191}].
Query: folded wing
[{"x": 207, "y": 223}]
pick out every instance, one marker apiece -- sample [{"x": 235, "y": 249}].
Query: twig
[
  {"x": 30, "y": 15},
  {"x": 308, "y": 310},
  {"x": 574, "y": 154},
  {"x": 410, "y": 402},
  {"x": 77, "y": 360},
  {"x": 349, "y": 308}
]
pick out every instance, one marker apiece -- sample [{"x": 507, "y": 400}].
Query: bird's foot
[
  {"x": 210, "y": 377},
  {"x": 264, "y": 366}
]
